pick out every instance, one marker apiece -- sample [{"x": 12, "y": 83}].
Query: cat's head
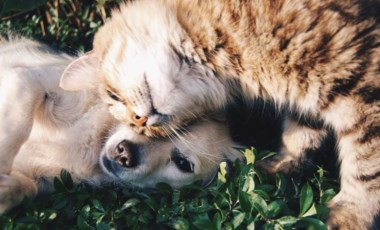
[{"x": 147, "y": 70}]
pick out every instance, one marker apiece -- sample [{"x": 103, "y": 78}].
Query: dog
[{"x": 45, "y": 129}]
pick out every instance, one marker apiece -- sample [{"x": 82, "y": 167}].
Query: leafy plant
[{"x": 245, "y": 199}]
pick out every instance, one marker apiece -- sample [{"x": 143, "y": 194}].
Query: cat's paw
[
  {"x": 299, "y": 145},
  {"x": 349, "y": 215},
  {"x": 273, "y": 164},
  {"x": 344, "y": 218},
  {"x": 287, "y": 164}
]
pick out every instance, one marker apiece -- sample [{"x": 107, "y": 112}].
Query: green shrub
[{"x": 248, "y": 199}]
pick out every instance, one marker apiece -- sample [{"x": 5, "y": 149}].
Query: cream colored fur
[{"x": 45, "y": 129}]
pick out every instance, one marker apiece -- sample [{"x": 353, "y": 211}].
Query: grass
[{"x": 245, "y": 199}]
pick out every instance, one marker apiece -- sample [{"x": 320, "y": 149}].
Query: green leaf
[
  {"x": 180, "y": 224},
  {"x": 52, "y": 215},
  {"x": 265, "y": 154},
  {"x": 203, "y": 222},
  {"x": 251, "y": 225},
  {"x": 98, "y": 205},
  {"x": 217, "y": 221},
  {"x": 222, "y": 174},
  {"x": 274, "y": 208},
  {"x": 58, "y": 185},
  {"x": 281, "y": 183},
  {"x": 249, "y": 155},
  {"x": 6, "y": 223},
  {"x": 238, "y": 219},
  {"x": 66, "y": 179},
  {"x": 249, "y": 184},
  {"x": 327, "y": 195},
  {"x": 198, "y": 208},
  {"x": 164, "y": 187},
  {"x": 306, "y": 199},
  {"x": 245, "y": 203},
  {"x": 287, "y": 221},
  {"x": 312, "y": 211},
  {"x": 103, "y": 226},
  {"x": 269, "y": 226},
  {"x": 82, "y": 223},
  {"x": 314, "y": 224},
  {"x": 258, "y": 203},
  {"x": 129, "y": 203},
  {"x": 85, "y": 211},
  {"x": 322, "y": 211}
]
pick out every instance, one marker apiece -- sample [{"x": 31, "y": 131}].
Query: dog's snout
[{"x": 126, "y": 154}]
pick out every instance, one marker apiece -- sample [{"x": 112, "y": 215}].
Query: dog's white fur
[{"x": 45, "y": 129}]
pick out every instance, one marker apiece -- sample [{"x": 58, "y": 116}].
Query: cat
[
  {"x": 45, "y": 129},
  {"x": 162, "y": 63}
]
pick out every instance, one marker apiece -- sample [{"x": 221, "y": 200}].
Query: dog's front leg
[
  {"x": 14, "y": 188},
  {"x": 20, "y": 95}
]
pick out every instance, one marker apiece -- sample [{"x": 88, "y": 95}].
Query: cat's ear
[{"x": 81, "y": 74}]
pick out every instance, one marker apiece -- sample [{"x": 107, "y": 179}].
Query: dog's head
[
  {"x": 194, "y": 155},
  {"x": 148, "y": 71}
]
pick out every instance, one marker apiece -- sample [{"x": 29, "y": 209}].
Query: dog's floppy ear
[{"x": 81, "y": 74}]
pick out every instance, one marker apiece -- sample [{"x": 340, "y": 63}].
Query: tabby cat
[{"x": 162, "y": 63}]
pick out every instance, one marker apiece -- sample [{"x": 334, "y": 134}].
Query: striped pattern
[{"x": 320, "y": 58}]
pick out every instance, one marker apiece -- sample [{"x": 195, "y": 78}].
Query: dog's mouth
[
  {"x": 125, "y": 156},
  {"x": 110, "y": 166}
]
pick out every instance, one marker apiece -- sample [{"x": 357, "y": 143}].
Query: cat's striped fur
[{"x": 319, "y": 58}]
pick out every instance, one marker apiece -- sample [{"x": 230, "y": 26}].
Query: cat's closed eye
[{"x": 113, "y": 96}]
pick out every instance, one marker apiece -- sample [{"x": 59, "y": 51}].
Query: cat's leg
[
  {"x": 14, "y": 188},
  {"x": 299, "y": 142},
  {"x": 20, "y": 95},
  {"x": 358, "y": 202}
]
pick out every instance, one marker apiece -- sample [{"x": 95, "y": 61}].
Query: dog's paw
[
  {"x": 13, "y": 189},
  {"x": 8, "y": 192}
]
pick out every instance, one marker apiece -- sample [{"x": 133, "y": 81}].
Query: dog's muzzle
[{"x": 124, "y": 156}]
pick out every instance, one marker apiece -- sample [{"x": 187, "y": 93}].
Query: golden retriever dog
[{"x": 45, "y": 129}]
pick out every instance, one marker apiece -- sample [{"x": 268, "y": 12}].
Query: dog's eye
[
  {"x": 113, "y": 96},
  {"x": 183, "y": 164}
]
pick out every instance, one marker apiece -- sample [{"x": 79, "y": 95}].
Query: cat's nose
[
  {"x": 153, "y": 119},
  {"x": 139, "y": 120}
]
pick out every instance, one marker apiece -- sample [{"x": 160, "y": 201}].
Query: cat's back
[{"x": 286, "y": 39}]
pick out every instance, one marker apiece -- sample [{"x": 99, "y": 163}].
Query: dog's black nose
[{"x": 126, "y": 154}]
